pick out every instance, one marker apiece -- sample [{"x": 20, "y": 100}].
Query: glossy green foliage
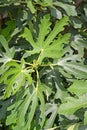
[
  {"x": 48, "y": 47},
  {"x": 43, "y": 65}
]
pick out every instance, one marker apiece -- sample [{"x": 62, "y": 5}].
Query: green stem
[
  {"x": 20, "y": 62},
  {"x": 37, "y": 79}
]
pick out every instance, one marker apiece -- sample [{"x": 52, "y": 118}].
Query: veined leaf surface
[{"x": 45, "y": 44}]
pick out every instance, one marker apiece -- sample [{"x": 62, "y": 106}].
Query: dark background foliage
[{"x": 61, "y": 99}]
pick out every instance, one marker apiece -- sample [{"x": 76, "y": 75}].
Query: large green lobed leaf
[{"x": 45, "y": 44}]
